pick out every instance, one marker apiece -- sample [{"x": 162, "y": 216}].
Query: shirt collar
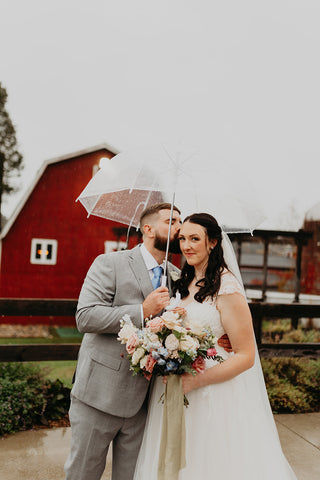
[{"x": 149, "y": 260}]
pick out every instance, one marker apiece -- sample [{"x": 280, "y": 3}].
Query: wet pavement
[{"x": 40, "y": 454}]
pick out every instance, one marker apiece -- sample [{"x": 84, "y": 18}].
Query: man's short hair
[{"x": 152, "y": 210}]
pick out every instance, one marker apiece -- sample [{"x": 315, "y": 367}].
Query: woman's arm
[{"x": 237, "y": 321}]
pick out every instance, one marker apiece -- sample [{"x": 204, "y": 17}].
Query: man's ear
[{"x": 148, "y": 230}]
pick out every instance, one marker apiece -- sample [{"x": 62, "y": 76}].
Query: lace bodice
[
  {"x": 230, "y": 284},
  {"x": 206, "y": 314}
]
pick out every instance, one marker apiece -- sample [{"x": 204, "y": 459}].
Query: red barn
[{"x": 49, "y": 243}]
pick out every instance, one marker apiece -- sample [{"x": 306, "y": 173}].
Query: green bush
[
  {"x": 301, "y": 335},
  {"x": 293, "y": 384},
  {"x": 28, "y": 399}
]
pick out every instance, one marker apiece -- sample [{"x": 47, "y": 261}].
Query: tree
[{"x": 10, "y": 159}]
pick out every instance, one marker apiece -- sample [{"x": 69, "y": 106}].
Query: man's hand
[
  {"x": 180, "y": 311},
  {"x": 155, "y": 302},
  {"x": 224, "y": 342}
]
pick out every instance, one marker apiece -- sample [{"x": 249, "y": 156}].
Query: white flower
[
  {"x": 174, "y": 275},
  {"x": 143, "y": 361},
  {"x": 171, "y": 342},
  {"x": 171, "y": 320},
  {"x": 180, "y": 329},
  {"x": 126, "y": 319},
  {"x": 126, "y": 331},
  {"x": 196, "y": 328},
  {"x": 189, "y": 343},
  {"x": 153, "y": 338},
  {"x": 151, "y": 341},
  {"x": 138, "y": 354}
]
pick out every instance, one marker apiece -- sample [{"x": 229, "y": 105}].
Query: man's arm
[
  {"x": 95, "y": 313},
  {"x": 224, "y": 342}
]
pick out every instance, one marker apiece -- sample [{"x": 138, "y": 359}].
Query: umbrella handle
[
  {"x": 164, "y": 281},
  {"x": 168, "y": 238}
]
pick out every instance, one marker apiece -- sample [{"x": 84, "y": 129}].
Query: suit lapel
[{"x": 140, "y": 271}]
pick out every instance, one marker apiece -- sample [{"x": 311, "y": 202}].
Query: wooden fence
[{"x": 67, "y": 351}]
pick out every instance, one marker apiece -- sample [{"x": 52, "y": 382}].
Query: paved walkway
[{"x": 40, "y": 455}]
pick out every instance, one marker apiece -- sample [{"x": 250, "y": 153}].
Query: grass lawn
[{"x": 62, "y": 370}]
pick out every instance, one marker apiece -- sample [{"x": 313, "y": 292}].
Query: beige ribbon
[{"x": 172, "y": 455}]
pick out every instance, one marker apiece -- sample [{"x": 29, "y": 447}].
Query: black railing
[{"x": 67, "y": 351}]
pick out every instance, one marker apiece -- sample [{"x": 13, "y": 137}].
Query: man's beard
[{"x": 160, "y": 243}]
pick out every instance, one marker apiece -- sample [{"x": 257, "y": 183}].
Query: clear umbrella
[{"x": 190, "y": 178}]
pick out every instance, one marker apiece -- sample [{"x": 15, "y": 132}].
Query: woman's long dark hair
[{"x": 210, "y": 284}]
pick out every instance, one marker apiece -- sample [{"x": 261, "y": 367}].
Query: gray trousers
[{"x": 91, "y": 434}]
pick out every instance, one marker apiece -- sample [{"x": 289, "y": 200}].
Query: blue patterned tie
[{"x": 157, "y": 271}]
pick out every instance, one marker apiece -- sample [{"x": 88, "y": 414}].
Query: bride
[{"x": 230, "y": 430}]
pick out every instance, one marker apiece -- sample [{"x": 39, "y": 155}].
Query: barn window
[
  {"x": 43, "y": 251},
  {"x": 111, "y": 246}
]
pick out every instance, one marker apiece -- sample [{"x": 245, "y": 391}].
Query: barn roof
[
  {"x": 314, "y": 212},
  {"x": 39, "y": 174}
]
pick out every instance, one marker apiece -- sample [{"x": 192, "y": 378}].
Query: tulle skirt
[{"x": 230, "y": 433}]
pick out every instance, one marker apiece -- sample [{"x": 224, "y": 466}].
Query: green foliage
[
  {"x": 28, "y": 399},
  {"x": 273, "y": 330},
  {"x": 10, "y": 158},
  {"x": 293, "y": 384},
  {"x": 301, "y": 335},
  {"x": 281, "y": 331}
]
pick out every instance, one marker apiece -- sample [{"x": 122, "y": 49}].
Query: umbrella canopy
[{"x": 133, "y": 180}]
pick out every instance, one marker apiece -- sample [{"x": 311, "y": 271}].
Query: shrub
[
  {"x": 301, "y": 335},
  {"x": 28, "y": 399},
  {"x": 293, "y": 384}
]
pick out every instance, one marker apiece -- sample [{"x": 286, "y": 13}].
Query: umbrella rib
[
  {"x": 94, "y": 205},
  {"x": 168, "y": 154}
]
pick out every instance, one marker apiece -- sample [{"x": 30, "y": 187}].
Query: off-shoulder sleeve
[{"x": 230, "y": 284}]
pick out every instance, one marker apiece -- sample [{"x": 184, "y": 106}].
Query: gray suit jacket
[{"x": 116, "y": 283}]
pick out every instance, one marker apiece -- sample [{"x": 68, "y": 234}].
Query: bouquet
[{"x": 164, "y": 346}]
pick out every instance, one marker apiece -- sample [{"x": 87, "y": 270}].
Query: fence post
[{"x": 257, "y": 323}]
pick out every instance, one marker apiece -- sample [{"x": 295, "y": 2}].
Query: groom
[{"x": 107, "y": 401}]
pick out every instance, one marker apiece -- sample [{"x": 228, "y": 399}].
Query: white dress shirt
[{"x": 150, "y": 262}]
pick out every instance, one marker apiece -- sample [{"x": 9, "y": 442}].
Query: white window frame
[
  {"x": 113, "y": 246},
  {"x": 43, "y": 260}
]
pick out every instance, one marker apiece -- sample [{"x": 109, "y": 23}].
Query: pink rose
[
  {"x": 155, "y": 324},
  {"x": 211, "y": 352},
  {"x": 199, "y": 365},
  {"x": 150, "y": 363},
  {"x": 132, "y": 342}
]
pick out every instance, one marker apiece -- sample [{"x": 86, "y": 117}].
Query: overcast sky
[{"x": 241, "y": 77}]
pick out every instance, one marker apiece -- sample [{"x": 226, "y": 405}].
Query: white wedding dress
[{"x": 230, "y": 430}]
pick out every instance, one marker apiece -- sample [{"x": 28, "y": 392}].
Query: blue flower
[
  {"x": 163, "y": 351},
  {"x": 171, "y": 366}
]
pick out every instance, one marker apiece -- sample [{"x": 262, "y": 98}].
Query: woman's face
[{"x": 195, "y": 245}]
